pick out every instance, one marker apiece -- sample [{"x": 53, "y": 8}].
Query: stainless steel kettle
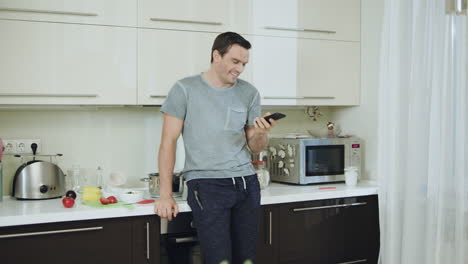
[{"x": 37, "y": 179}]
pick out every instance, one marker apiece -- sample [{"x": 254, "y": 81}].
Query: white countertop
[{"x": 14, "y": 212}]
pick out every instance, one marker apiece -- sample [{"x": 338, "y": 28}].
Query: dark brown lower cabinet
[
  {"x": 116, "y": 240},
  {"x": 332, "y": 231},
  {"x": 267, "y": 235}
]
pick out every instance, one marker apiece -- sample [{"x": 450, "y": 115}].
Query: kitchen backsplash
[{"x": 123, "y": 139}]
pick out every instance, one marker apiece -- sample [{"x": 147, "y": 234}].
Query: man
[{"x": 218, "y": 115}]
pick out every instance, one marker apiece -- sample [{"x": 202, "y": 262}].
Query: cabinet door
[
  {"x": 318, "y": 19},
  {"x": 267, "y": 236},
  {"x": 328, "y": 72},
  {"x": 51, "y": 63},
  {"x": 103, "y": 12},
  {"x": 291, "y": 71},
  {"x": 165, "y": 57},
  {"x": 146, "y": 230},
  {"x": 362, "y": 235},
  {"x": 93, "y": 241},
  {"x": 311, "y": 232},
  {"x": 274, "y": 63},
  {"x": 195, "y": 15}
]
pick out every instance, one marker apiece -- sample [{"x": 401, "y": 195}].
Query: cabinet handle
[
  {"x": 302, "y": 30},
  {"x": 327, "y": 207},
  {"x": 298, "y": 97},
  {"x": 181, "y": 240},
  {"x": 45, "y": 95},
  {"x": 25, "y": 10},
  {"x": 354, "y": 261},
  {"x": 213, "y": 23},
  {"x": 147, "y": 240},
  {"x": 157, "y": 96},
  {"x": 270, "y": 239},
  {"x": 53, "y": 232}
]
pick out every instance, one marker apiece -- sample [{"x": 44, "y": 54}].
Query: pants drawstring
[{"x": 243, "y": 180}]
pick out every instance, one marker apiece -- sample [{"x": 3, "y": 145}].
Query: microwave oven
[{"x": 312, "y": 160}]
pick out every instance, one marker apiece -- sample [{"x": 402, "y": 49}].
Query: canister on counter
[{"x": 262, "y": 173}]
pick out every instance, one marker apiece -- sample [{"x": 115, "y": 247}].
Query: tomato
[
  {"x": 71, "y": 194},
  {"x": 104, "y": 200},
  {"x": 112, "y": 199},
  {"x": 68, "y": 202}
]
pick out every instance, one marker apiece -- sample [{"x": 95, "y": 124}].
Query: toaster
[{"x": 37, "y": 180}]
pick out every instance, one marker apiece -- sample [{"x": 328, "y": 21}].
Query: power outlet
[
  {"x": 21, "y": 146},
  {"x": 10, "y": 146}
]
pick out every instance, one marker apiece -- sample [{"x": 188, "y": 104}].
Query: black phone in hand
[{"x": 274, "y": 116}]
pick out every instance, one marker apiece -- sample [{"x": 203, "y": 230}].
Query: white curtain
[{"x": 423, "y": 171}]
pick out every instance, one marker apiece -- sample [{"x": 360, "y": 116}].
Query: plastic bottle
[
  {"x": 262, "y": 173},
  {"x": 99, "y": 179}
]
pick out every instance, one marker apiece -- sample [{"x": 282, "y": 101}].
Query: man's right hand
[{"x": 166, "y": 207}]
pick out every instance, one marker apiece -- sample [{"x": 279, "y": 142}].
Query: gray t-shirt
[{"x": 214, "y": 120}]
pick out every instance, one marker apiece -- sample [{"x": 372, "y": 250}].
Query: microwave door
[{"x": 324, "y": 160}]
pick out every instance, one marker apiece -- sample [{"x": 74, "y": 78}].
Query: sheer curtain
[{"x": 423, "y": 172}]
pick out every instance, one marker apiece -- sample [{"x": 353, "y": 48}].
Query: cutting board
[{"x": 98, "y": 204}]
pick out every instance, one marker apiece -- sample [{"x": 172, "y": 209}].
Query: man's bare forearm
[
  {"x": 166, "y": 161},
  {"x": 258, "y": 142}
]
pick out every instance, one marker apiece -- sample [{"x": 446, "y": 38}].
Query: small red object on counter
[
  {"x": 145, "y": 201},
  {"x": 327, "y": 188}
]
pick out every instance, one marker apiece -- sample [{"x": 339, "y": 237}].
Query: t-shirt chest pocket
[{"x": 236, "y": 118}]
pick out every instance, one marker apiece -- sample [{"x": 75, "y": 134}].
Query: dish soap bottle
[{"x": 262, "y": 173}]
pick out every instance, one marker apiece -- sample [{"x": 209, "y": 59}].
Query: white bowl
[{"x": 131, "y": 196}]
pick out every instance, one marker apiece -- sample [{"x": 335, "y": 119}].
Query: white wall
[
  {"x": 124, "y": 139},
  {"x": 362, "y": 120}
]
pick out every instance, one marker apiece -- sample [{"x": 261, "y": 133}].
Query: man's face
[{"x": 231, "y": 65}]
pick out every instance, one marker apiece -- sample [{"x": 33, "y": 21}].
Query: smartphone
[{"x": 274, "y": 116}]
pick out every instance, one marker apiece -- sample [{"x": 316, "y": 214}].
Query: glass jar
[{"x": 262, "y": 173}]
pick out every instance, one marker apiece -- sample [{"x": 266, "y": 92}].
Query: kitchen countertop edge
[{"x": 15, "y": 213}]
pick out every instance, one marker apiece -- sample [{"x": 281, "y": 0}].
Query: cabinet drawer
[
  {"x": 103, "y": 12},
  {"x": 194, "y": 15},
  {"x": 51, "y": 63},
  {"x": 93, "y": 241},
  {"x": 318, "y": 19}
]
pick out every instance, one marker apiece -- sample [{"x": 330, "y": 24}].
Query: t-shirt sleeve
[
  {"x": 255, "y": 110},
  {"x": 176, "y": 102}
]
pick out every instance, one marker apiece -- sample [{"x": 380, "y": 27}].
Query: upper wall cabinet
[
  {"x": 165, "y": 56},
  {"x": 55, "y": 63},
  {"x": 318, "y": 19},
  {"x": 102, "y": 12},
  {"x": 196, "y": 15},
  {"x": 295, "y": 71}
]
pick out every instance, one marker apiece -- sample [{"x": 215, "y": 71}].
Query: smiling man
[{"x": 218, "y": 115}]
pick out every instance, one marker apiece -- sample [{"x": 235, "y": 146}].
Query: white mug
[{"x": 351, "y": 176}]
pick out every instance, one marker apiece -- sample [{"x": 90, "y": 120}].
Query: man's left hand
[{"x": 262, "y": 126}]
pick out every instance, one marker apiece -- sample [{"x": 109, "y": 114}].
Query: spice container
[{"x": 262, "y": 173}]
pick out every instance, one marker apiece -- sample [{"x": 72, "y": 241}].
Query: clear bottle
[
  {"x": 262, "y": 173},
  {"x": 99, "y": 179}
]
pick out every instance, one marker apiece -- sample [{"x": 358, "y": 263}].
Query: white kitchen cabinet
[
  {"x": 195, "y": 15},
  {"x": 291, "y": 71},
  {"x": 166, "y": 56},
  {"x": 317, "y": 19},
  {"x": 54, "y": 63},
  {"x": 102, "y": 12}
]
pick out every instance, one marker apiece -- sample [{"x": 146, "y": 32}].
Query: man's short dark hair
[{"x": 224, "y": 41}]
